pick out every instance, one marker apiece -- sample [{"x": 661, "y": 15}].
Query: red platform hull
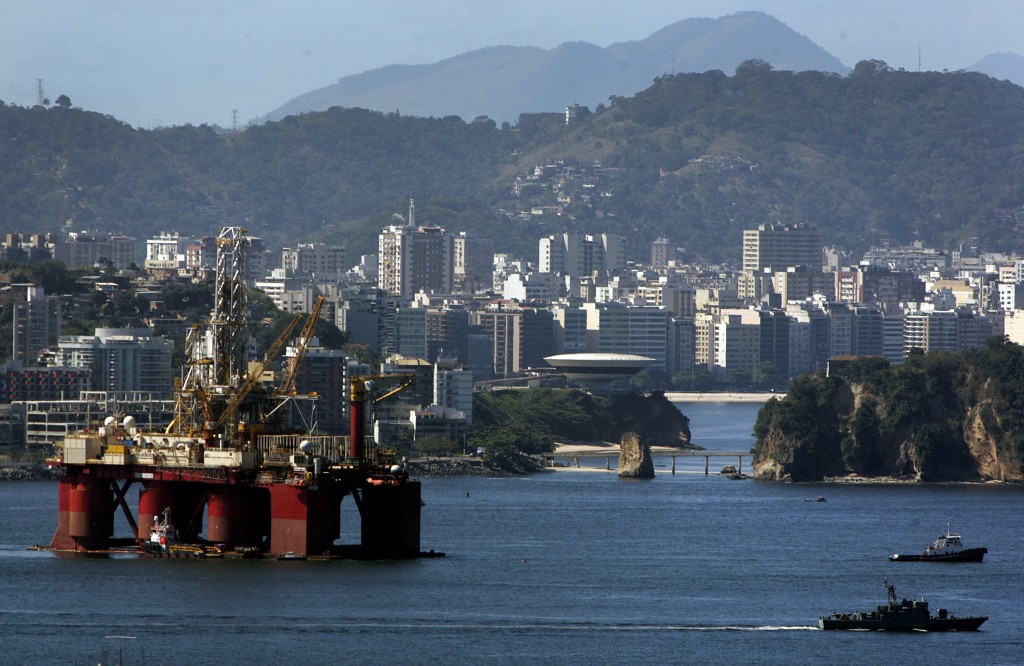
[{"x": 295, "y": 517}]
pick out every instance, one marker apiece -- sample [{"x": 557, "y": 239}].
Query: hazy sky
[{"x": 195, "y": 61}]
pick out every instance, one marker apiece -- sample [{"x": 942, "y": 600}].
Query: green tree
[{"x": 435, "y": 445}]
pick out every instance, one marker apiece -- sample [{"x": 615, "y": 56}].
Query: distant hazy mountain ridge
[
  {"x": 503, "y": 81},
  {"x": 1002, "y": 66}
]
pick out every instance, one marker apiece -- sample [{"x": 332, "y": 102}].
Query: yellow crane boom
[
  {"x": 253, "y": 377},
  {"x": 304, "y": 337}
]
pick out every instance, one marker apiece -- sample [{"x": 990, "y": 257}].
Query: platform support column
[
  {"x": 390, "y": 516},
  {"x": 303, "y": 520}
]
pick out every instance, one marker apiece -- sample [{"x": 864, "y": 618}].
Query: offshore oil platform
[{"x": 229, "y": 458}]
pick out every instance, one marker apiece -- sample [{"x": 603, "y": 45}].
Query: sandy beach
[
  {"x": 567, "y": 455},
  {"x": 563, "y": 450}
]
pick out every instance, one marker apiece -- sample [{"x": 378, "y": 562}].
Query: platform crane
[
  {"x": 253, "y": 377},
  {"x": 305, "y": 336},
  {"x": 358, "y": 388}
]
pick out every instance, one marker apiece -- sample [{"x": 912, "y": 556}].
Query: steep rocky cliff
[
  {"x": 938, "y": 417},
  {"x": 635, "y": 460}
]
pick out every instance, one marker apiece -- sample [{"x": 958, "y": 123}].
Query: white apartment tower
[
  {"x": 414, "y": 259},
  {"x": 121, "y": 359},
  {"x": 166, "y": 252},
  {"x": 453, "y": 388},
  {"x": 581, "y": 256}
]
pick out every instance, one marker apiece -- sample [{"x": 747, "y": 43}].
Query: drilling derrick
[
  {"x": 230, "y": 308},
  {"x": 230, "y": 456}
]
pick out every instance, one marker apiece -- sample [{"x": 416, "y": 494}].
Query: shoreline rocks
[
  {"x": 473, "y": 467},
  {"x": 28, "y": 473}
]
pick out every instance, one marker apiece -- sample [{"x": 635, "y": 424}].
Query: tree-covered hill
[
  {"x": 534, "y": 420},
  {"x": 878, "y": 154},
  {"x": 317, "y": 175},
  {"x": 938, "y": 417}
]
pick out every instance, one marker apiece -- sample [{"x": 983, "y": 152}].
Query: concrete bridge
[{"x": 706, "y": 455}]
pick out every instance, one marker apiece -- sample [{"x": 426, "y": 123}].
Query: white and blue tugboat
[{"x": 947, "y": 548}]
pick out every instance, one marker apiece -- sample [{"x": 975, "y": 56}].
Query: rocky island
[
  {"x": 938, "y": 417},
  {"x": 511, "y": 424}
]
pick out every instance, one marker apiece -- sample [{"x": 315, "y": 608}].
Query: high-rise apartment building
[
  {"x": 82, "y": 249},
  {"x": 36, "y": 325},
  {"x": 930, "y": 330},
  {"x": 735, "y": 345},
  {"x": 453, "y": 388},
  {"x": 166, "y": 253},
  {"x": 680, "y": 299},
  {"x": 33, "y": 382},
  {"x": 878, "y": 285},
  {"x": 617, "y": 328},
  {"x": 319, "y": 259},
  {"x": 201, "y": 255},
  {"x": 578, "y": 255},
  {"x": 570, "y": 330},
  {"x": 415, "y": 258},
  {"x": 797, "y": 283},
  {"x": 448, "y": 334},
  {"x": 868, "y": 331},
  {"x": 121, "y": 359},
  {"x": 774, "y": 339},
  {"x": 520, "y": 337},
  {"x": 681, "y": 341},
  {"x": 473, "y": 263},
  {"x": 409, "y": 335},
  {"x": 775, "y": 247},
  {"x": 663, "y": 251}
]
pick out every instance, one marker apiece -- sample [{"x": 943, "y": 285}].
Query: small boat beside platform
[
  {"x": 291, "y": 556},
  {"x": 904, "y": 615},
  {"x": 163, "y": 541},
  {"x": 947, "y": 548}
]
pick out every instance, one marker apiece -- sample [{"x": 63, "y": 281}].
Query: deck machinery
[{"x": 230, "y": 457}]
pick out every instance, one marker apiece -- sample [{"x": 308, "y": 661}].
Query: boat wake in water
[{"x": 557, "y": 626}]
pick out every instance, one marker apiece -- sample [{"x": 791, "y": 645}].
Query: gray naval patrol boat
[{"x": 904, "y": 615}]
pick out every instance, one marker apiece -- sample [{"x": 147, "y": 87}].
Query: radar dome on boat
[
  {"x": 109, "y": 421},
  {"x": 305, "y": 446},
  {"x": 395, "y": 469},
  {"x": 129, "y": 422}
]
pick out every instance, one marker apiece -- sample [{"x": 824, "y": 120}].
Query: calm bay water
[{"x": 563, "y": 567}]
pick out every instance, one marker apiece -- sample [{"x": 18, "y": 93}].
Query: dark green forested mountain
[{"x": 697, "y": 157}]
